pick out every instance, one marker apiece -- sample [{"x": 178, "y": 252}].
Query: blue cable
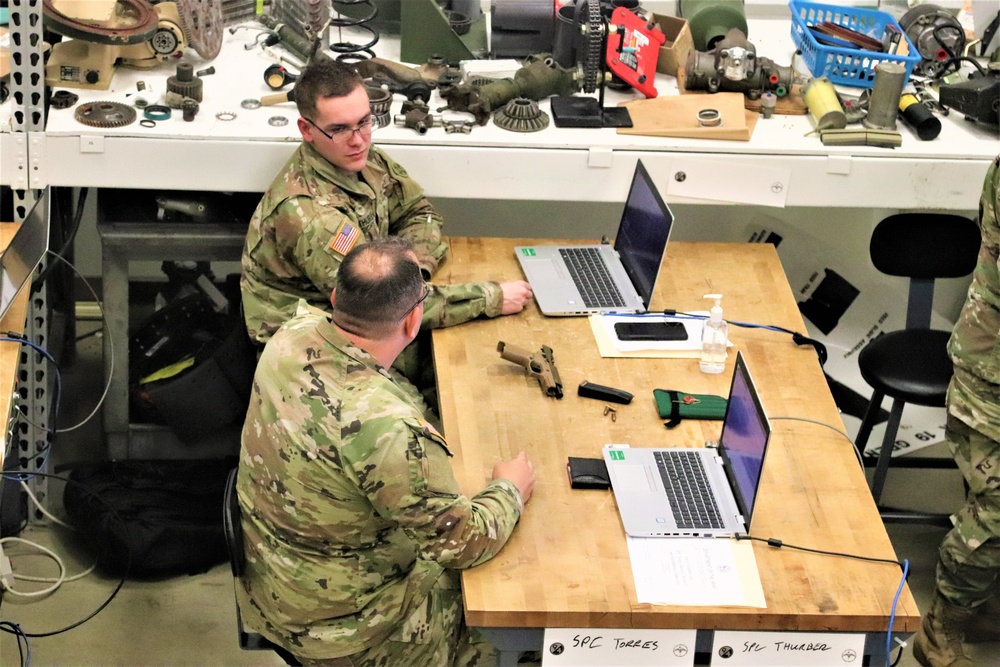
[
  {"x": 892, "y": 615},
  {"x": 16, "y": 630},
  {"x": 57, "y": 394}
]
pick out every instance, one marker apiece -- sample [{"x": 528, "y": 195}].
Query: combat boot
[
  {"x": 939, "y": 641},
  {"x": 985, "y": 625}
]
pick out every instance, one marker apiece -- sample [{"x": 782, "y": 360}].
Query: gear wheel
[
  {"x": 521, "y": 115},
  {"x": 595, "y": 45},
  {"x": 185, "y": 83},
  {"x": 105, "y": 114}
]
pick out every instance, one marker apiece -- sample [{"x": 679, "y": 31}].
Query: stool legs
[
  {"x": 871, "y": 415},
  {"x": 882, "y": 467}
]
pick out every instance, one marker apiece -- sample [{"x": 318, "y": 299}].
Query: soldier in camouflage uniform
[
  {"x": 354, "y": 525},
  {"x": 337, "y": 190},
  {"x": 965, "y": 606}
]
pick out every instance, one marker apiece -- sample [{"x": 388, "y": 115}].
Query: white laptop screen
[
  {"x": 643, "y": 233},
  {"x": 745, "y": 434}
]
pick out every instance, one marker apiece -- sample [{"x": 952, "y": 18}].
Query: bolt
[
  {"x": 205, "y": 72},
  {"x": 189, "y": 109}
]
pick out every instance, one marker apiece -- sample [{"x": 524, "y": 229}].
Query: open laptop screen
[
  {"x": 643, "y": 233},
  {"x": 24, "y": 253},
  {"x": 745, "y": 434}
]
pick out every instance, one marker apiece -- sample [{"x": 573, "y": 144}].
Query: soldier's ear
[
  {"x": 411, "y": 322},
  {"x": 333, "y": 297}
]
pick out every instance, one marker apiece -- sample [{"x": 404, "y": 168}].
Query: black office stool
[
  {"x": 912, "y": 365},
  {"x": 249, "y": 641}
]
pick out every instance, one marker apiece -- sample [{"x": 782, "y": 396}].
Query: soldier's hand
[
  {"x": 520, "y": 471},
  {"x": 515, "y": 294}
]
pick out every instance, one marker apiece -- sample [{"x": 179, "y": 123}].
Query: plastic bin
[{"x": 845, "y": 66}]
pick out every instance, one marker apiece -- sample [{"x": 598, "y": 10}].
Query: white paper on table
[{"x": 695, "y": 571}]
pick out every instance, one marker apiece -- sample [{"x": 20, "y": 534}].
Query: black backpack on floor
[{"x": 165, "y": 515}]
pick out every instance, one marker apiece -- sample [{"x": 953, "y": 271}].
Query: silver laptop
[
  {"x": 579, "y": 280},
  {"x": 696, "y": 492},
  {"x": 24, "y": 252}
]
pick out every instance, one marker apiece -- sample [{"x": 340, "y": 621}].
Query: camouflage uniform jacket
[
  {"x": 974, "y": 395},
  {"x": 291, "y": 251},
  {"x": 351, "y": 511}
]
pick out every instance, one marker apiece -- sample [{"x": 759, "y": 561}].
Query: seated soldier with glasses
[{"x": 336, "y": 191}]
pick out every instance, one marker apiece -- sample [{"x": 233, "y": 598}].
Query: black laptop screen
[
  {"x": 745, "y": 433},
  {"x": 643, "y": 233}
]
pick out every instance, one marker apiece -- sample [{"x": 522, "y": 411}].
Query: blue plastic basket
[{"x": 849, "y": 67}]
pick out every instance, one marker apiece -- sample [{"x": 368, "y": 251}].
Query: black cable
[
  {"x": 37, "y": 283},
  {"x": 24, "y": 655},
  {"x": 774, "y": 542},
  {"x": 899, "y": 656},
  {"x": 114, "y": 593}
]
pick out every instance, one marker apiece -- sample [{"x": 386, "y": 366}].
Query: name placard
[
  {"x": 787, "y": 649},
  {"x": 614, "y": 647}
]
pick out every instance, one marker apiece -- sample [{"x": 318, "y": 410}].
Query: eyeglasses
[
  {"x": 342, "y": 133},
  {"x": 423, "y": 297}
]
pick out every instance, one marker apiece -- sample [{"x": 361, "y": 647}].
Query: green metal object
[
  {"x": 710, "y": 20},
  {"x": 426, "y": 31}
]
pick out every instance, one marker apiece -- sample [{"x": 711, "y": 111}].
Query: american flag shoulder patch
[{"x": 345, "y": 238}]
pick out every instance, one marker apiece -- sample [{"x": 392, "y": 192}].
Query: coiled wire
[{"x": 350, "y": 51}]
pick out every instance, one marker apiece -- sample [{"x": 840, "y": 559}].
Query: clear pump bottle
[{"x": 714, "y": 338}]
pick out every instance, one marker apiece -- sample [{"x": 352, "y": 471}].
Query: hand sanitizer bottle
[{"x": 714, "y": 338}]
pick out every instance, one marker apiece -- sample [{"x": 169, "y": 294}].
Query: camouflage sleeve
[
  {"x": 408, "y": 479},
  {"x": 412, "y": 217},
  {"x": 448, "y": 305},
  {"x": 312, "y": 253}
]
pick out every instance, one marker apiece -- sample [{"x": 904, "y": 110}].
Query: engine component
[
  {"x": 157, "y": 112},
  {"x": 225, "y": 116},
  {"x": 203, "y": 25},
  {"x": 63, "y": 99},
  {"x": 277, "y": 77},
  {"x": 521, "y": 115},
  {"x": 883, "y": 99},
  {"x": 134, "y": 22},
  {"x": 824, "y": 105},
  {"x": 978, "y": 98},
  {"x": 185, "y": 83},
  {"x": 938, "y": 36},
  {"x": 457, "y": 126},
  {"x": 379, "y": 100},
  {"x": 633, "y": 49},
  {"x": 189, "y": 109},
  {"x": 918, "y": 116},
  {"x": 709, "y": 118},
  {"x": 733, "y": 66},
  {"x": 711, "y": 20},
  {"x": 105, "y": 114},
  {"x": 417, "y": 118},
  {"x": 277, "y": 121}
]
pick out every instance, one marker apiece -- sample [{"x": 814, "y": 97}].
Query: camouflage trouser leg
[{"x": 969, "y": 565}]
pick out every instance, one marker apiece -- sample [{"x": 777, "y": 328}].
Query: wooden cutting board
[{"x": 677, "y": 116}]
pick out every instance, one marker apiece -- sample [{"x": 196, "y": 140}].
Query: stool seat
[{"x": 911, "y": 364}]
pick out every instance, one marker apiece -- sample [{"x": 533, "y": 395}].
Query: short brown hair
[{"x": 321, "y": 79}]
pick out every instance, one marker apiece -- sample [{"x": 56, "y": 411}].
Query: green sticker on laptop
[
  {"x": 616, "y": 454},
  {"x": 528, "y": 252}
]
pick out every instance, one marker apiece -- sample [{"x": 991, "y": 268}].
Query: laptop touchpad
[
  {"x": 635, "y": 479},
  {"x": 548, "y": 271}
]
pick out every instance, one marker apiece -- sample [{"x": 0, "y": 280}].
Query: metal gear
[
  {"x": 63, "y": 99},
  {"x": 202, "y": 24},
  {"x": 137, "y": 22},
  {"x": 594, "y": 34},
  {"x": 105, "y": 114},
  {"x": 521, "y": 115},
  {"x": 185, "y": 83}
]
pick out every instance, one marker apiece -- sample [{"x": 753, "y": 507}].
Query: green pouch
[{"x": 677, "y": 405}]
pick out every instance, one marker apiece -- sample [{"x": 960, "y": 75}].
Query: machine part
[
  {"x": 459, "y": 22},
  {"x": 767, "y": 103},
  {"x": 711, "y": 20},
  {"x": 379, "y": 100},
  {"x": 633, "y": 47},
  {"x": 457, "y": 126},
  {"x": 354, "y": 50},
  {"x": 277, "y": 77},
  {"x": 844, "y": 137},
  {"x": 396, "y": 78},
  {"x": 593, "y": 31},
  {"x": 168, "y": 40},
  {"x": 202, "y": 23},
  {"x": 978, "y": 98},
  {"x": 189, "y": 109},
  {"x": 145, "y": 122},
  {"x": 140, "y": 86},
  {"x": 918, "y": 117},
  {"x": 226, "y": 116},
  {"x": 134, "y": 22},
  {"x": 938, "y": 36},
  {"x": 382, "y": 120},
  {"x": 417, "y": 119},
  {"x": 521, "y": 115},
  {"x": 824, "y": 105},
  {"x": 883, "y": 100},
  {"x": 539, "y": 78},
  {"x": 519, "y": 28},
  {"x": 142, "y": 100},
  {"x": 63, "y": 99},
  {"x": 185, "y": 83},
  {"x": 426, "y": 31},
  {"x": 709, "y": 118},
  {"x": 277, "y": 121},
  {"x": 449, "y": 77},
  {"x": 105, "y": 114},
  {"x": 157, "y": 112},
  {"x": 733, "y": 66},
  {"x": 250, "y": 103}
]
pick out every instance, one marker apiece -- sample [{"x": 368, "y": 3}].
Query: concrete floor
[{"x": 190, "y": 620}]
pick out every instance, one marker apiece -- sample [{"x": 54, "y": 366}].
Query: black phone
[{"x": 650, "y": 331}]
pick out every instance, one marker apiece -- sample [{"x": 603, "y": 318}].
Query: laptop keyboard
[
  {"x": 591, "y": 277},
  {"x": 691, "y": 497}
]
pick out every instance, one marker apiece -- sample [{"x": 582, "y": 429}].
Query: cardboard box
[{"x": 674, "y": 52}]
